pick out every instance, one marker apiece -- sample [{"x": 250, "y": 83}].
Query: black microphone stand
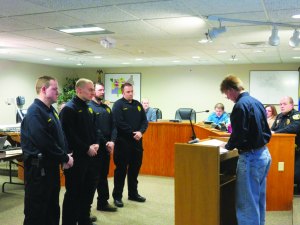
[{"x": 194, "y": 137}]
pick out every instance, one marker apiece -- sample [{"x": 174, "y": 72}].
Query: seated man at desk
[
  {"x": 219, "y": 115},
  {"x": 150, "y": 112},
  {"x": 288, "y": 121}
]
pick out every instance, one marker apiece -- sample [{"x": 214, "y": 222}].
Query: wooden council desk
[{"x": 158, "y": 159}]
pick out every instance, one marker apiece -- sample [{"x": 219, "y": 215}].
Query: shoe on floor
[
  {"x": 137, "y": 198},
  {"x": 119, "y": 203},
  {"x": 107, "y": 208}
]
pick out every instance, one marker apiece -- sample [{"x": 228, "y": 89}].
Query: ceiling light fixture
[
  {"x": 297, "y": 16},
  {"x": 82, "y": 30},
  {"x": 295, "y": 40},
  {"x": 216, "y": 31},
  {"x": 274, "y": 39}
]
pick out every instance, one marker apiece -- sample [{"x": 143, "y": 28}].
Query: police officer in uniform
[
  {"x": 78, "y": 121},
  {"x": 131, "y": 123},
  {"x": 288, "y": 121},
  {"x": 104, "y": 121},
  {"x": 44, "y": 149}
]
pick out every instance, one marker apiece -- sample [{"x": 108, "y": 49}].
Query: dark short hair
[
  {"x": 99, "y": 83},
  {"x": 233, "y": 82},
  {"x": 125, "y": 85}
]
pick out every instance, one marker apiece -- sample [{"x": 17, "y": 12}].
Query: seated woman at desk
[
  {"x": 271, "y": 114},
  {"x": 219, "y": 115}
]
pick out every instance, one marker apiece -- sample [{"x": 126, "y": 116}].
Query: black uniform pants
[
  {"x": 102, "y": 187},
  {"x": 128, "y": 155},
  {"x": 41, "y": 206},
  {"x": 81, "y": 182}
]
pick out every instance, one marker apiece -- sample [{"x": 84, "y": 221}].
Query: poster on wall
[{"x": 114, "y": 81}]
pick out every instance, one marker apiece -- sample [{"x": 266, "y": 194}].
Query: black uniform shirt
[
  {"x": 41, "y": 132},
  {"x": 104, "y": 121},
  {"x": 77, "y": 120},
  {"x": 289, "y": 123},
  {"x": 129, "y": 117},
  {"x": 250, "y": 129}
]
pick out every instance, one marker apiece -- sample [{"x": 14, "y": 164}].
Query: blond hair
[
  {"x": 233, "y": 82},
  {"x": 43, "y": 81}
]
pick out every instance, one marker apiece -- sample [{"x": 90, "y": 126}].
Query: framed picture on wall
[{"x": 114, "y": 81}]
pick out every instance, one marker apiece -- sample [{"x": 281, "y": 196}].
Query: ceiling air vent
[
  {"x": 80, "y": 52},
  {"x": 257, "y": 44}
]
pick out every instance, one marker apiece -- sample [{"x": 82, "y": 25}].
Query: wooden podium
[{"x": 204, "y": 185}]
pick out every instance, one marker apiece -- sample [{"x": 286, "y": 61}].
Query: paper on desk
[
  {"x": 214, "y": 142},
  {"x": 13, "y": 152}
]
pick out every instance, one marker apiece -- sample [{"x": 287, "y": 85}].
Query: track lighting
[
  {"x": 274, "y": 39},
  {"x": 295, "y": 40},
  {"x": 216, "y": 31}
]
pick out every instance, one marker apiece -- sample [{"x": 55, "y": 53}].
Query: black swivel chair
[
  {"x": 158, "y": 113},
  {"x": 185, "y": 114}
]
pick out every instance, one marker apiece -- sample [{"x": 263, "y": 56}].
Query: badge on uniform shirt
[
  {"x": 296, "y": 117},
  {"x": 91, "y": 110},
  {"x": 55, "y": 114},
  {"x": 288, "y": 121},
  {"x": 49, "y": 120},
  {"x": 108, "y": 110},
  {"x": 139, "y": 108}
]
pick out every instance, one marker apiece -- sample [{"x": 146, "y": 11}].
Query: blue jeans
[{"x": 252, "y": 169}]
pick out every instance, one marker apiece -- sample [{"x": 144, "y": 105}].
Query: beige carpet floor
[{"x": 157, "y": 210}]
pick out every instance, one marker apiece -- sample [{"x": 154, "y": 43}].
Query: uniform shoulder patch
[
  {"x": 296, "y": 117},
  {"x": 108, "y": 110}
]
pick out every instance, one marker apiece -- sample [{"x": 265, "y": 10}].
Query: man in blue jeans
[{"x": 250, "y": 134}]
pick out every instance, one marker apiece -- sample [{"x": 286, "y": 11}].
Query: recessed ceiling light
[
  {"x": 222, "y": 51},
  {"x": 47, "y": 59},
  {"x": 60, "y": 49},
  {"x": 296, "y": 16},
  {"x": 204, "y": 41},
  {"x": 98, "y": 57},
  {"x": 79, "y": 64},
  {"x": 296, "y": 57},
  {"x": 138, "y": 59},
  {"x": 196, "y": 57},
  {"x": 175, "y": 61},
  {"x": 125, "y": 63},
  {"x": 82, "y": 29},
  {"x": 259, "y": 51},
  {"x": 233, "y": 59}
]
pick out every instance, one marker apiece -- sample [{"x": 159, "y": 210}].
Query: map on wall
[
  {"x": 270, "y": 86},
  {"x": 113, "y": 83}
]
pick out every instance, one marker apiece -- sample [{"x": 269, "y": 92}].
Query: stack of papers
[{"x": 214, "y": 142}]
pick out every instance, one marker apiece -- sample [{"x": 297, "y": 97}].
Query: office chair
[
  {"x": 158, "y": 113},
  {"x": 185, "y": 114}
]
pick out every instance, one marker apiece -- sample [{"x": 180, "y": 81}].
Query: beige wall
[
  {"x": 18, "y": 78},
  {"x": 167, "y": 88},
  {"x": 170, "y": 88}
]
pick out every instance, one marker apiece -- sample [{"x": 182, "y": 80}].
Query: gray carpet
[{"x": 157, "y": 210}]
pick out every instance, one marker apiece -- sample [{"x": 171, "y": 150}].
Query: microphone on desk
[{"x": 194, "y": 138}]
